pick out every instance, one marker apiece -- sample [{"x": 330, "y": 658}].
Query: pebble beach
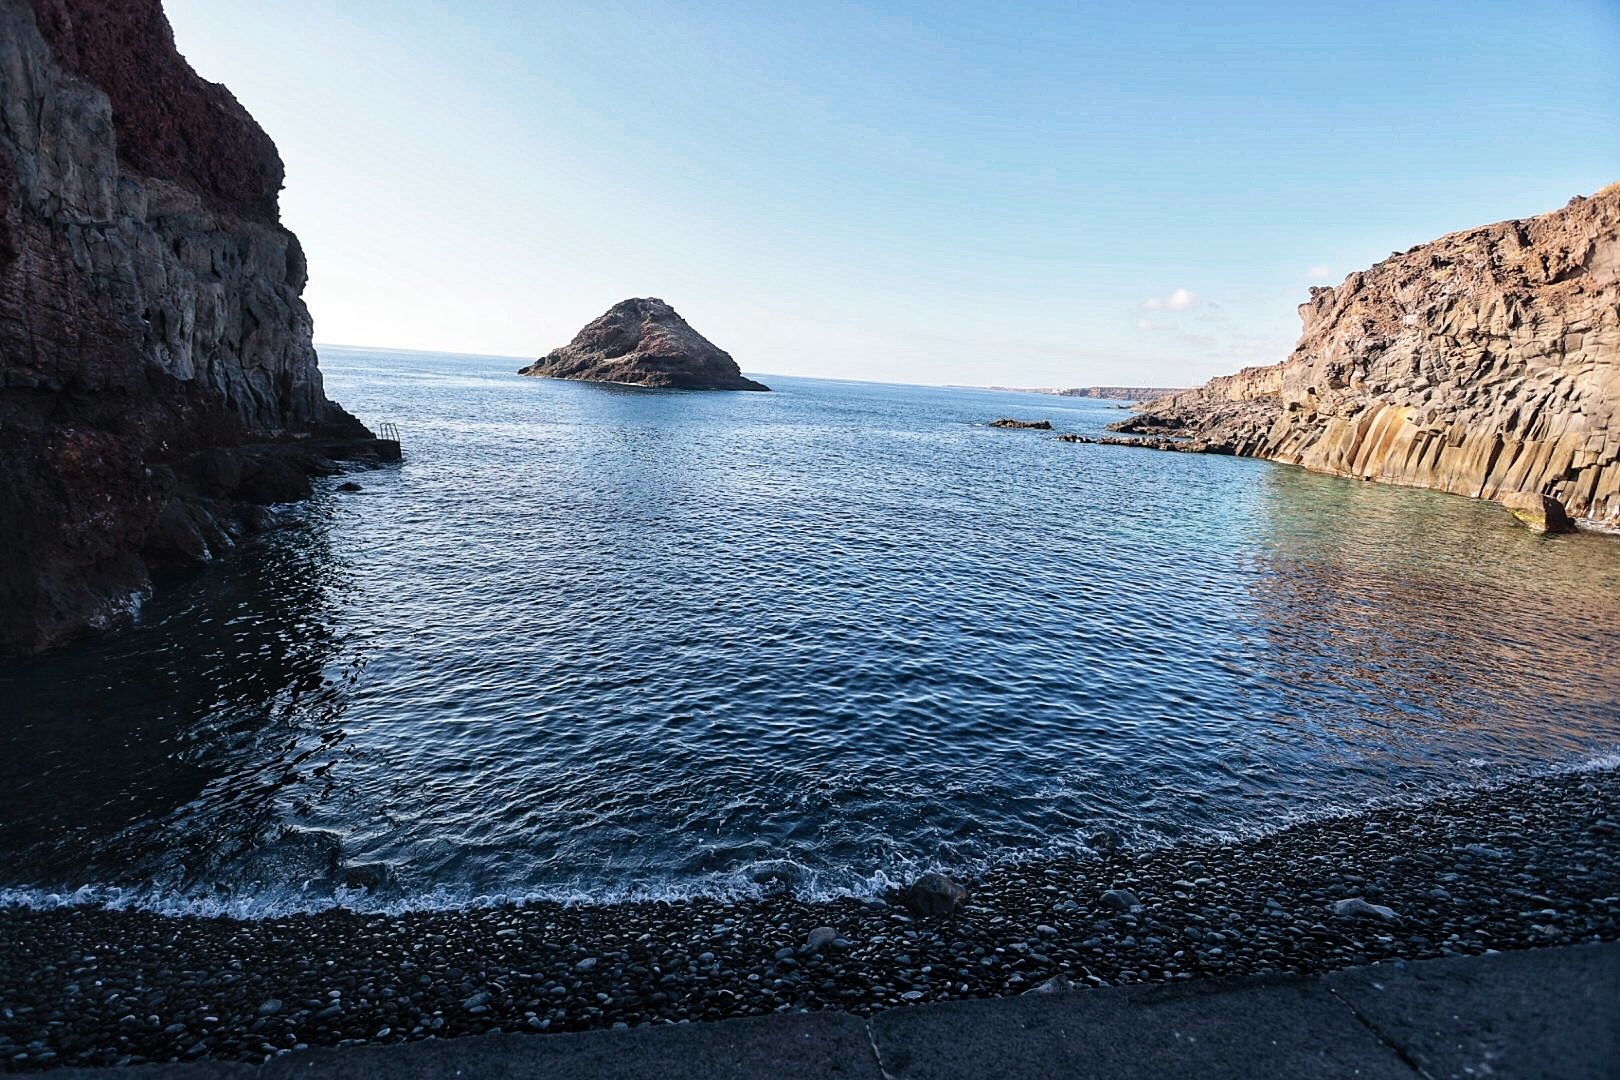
[{"x": 1532, "y": 863}]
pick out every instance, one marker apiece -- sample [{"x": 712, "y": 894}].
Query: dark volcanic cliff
[
  {"x": 157, "y": 375},
  {"x": 644, "y": 343},
  {"x": 1484, "y": 363}
]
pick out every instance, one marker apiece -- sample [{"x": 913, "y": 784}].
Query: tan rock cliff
[{"x": 1484, "y": 363}]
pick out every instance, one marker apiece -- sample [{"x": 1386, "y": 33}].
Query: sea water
[{"x": 598, "y": 642}]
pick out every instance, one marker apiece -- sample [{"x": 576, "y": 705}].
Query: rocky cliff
[
  {"x": 156, "y": 368},
  {"x": 1484, "y": 363},
  {"x": 644, "y": 343}
]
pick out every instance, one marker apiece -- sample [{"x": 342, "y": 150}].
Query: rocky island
[
  {"x": 643, "y": 342},
  {"x": 158, "y": 380},
  {"x": 1485, "y": 363}
]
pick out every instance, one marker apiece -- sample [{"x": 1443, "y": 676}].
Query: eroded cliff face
[
  {"x": 1484, "y": 363},
  {"x": 151, "y": 324}
]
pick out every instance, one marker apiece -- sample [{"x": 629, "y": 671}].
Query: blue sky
[{"x": 1021, "y": 194}]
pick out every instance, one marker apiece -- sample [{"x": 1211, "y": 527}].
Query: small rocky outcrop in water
[
  {"x": 1032, "y": 425},
  {"x": 157, "y": 376},
  {"x": 644, "y": 343},
  {"x": 1484, "y": 363},
  {"x": 1538, "y": 513}
]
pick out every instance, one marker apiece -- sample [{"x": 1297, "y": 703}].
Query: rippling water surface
[{"x": 604, "y": 642}]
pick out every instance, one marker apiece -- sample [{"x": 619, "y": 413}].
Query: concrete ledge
[
  {"x": 1257, "y": 1028},
  {"x": 787, "y": 1045},
  {"x": 1551, "y": 1013}
]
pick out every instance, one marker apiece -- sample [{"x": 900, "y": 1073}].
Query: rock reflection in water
[
  {"x": 1419, "y": 624},
  {"x": 159, "y": 753}
]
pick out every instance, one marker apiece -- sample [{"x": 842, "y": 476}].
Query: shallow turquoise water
[{"x": 600, "y": 641}]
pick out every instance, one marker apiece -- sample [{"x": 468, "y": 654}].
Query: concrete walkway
[{"x": 1552, "y": 1013}]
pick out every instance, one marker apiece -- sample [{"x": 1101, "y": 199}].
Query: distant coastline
[{"x": 1107, "y": 393}]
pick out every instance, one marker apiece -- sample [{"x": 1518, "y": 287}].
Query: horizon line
[{"x": 1043, "y": 391}]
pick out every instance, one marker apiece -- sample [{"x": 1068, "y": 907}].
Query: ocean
[{"x": 602, "y": 643}]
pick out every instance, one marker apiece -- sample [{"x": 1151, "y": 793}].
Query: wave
[
  {"x": 274, "y": 903},
  {"x": 753, "y": 882}
]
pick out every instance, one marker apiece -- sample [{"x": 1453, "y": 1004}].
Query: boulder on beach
[
  {"x": 1357, "y": 908},
  {"x": 1057, "y": 984},
  {"x": 1032, "y": 425},
  {"x": 643, "y": 342},
  {"x": 935, "y": 894},
  {"x": 1120, "y": 899},
  {"x": 819, "y": 937}
]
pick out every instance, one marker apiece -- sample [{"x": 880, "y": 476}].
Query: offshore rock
[
  {"x": 1484, "y": 363},
  {"x": 1186, "y": 446},
  {"x": 1031, "y": 425},
  {"x": 151, "y": 325},
  {"x": 644, "y": 343}
]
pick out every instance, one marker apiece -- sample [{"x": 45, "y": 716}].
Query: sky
[{"x": 1024, "y": 194}]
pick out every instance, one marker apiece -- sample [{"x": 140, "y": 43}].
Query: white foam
[
  {"x": 275, "y": 904},
  {"x": 732, "y": 886}
]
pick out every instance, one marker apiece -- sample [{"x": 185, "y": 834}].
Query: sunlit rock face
[
  {"x": 150, "y": 308},
  {"x": 1484, "y": 363},
  {"x": 644, "y": 342}
]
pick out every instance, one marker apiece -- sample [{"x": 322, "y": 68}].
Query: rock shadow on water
[{"x": 161, "y": 754}]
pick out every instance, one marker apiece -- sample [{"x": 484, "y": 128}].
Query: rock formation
[
  {"x": 156, "y": 368},
  {"x": 643, "y": 343},
  {"x": 934, "y": 895},
  {"x": 1031, "y": 425},
  {"x": 1538, "y": 513},
  {"x": 1484, "y": 363}
]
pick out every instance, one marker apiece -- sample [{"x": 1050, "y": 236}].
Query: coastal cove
[
  {"x": 578, "y": 703},
  {"x": 597, "y": 643}
]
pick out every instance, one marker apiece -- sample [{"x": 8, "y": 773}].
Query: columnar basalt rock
[
  {"x": 1484, "y": 363},
  {"x": 150, "y": 315}
]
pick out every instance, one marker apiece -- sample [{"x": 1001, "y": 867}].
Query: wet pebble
[{"x": 89, "y": 986}]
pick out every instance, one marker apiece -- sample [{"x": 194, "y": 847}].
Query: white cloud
[
  {"x": 1256, "y": 349},
  {"x": 1180, "y": 300},
  {"x": 1207, "y": 330},
  {"x": 1319, "y": 272}
]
